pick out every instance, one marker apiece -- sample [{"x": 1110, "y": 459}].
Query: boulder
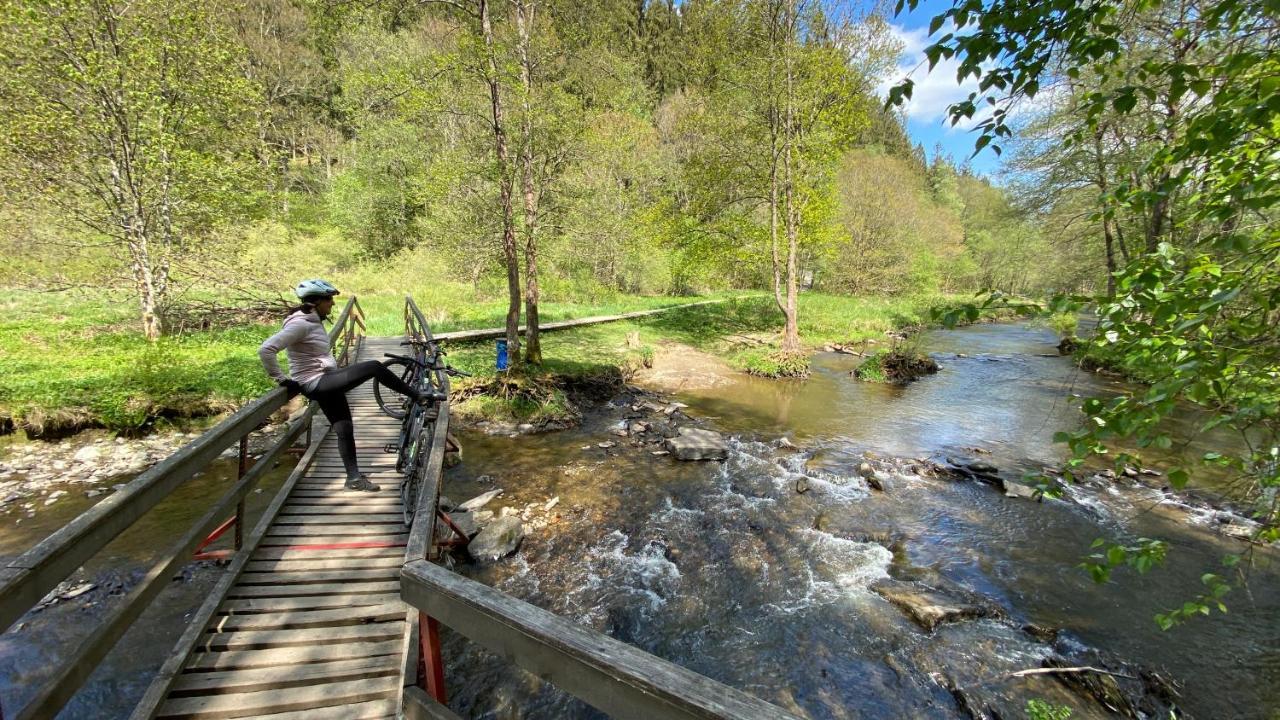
[
  {"x": 879, "y": 480},
  {"x": 499, "y": 539},
  {"x": 1019, "y": 490},
  {"x": 480, "y": 501},
  {"x": 695, "y": 444},
  {"x": 926, "y": 606},
  {"x": 86, "y": 454}
]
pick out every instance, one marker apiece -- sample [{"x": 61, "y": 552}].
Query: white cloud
[{"x": 935, "y": 90}]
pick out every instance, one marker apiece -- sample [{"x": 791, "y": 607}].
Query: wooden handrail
[
  {"x": 25, "y": 580},
  {"x": 612, "y": 676},
  {"x": 422, "y": 532},
  {"x": 71, "y": 676}
]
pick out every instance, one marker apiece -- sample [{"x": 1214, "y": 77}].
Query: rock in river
[
  {"x": 1019, "y": 490},
  {"x": 465, "y": 521},
  {"x": 694, "y": 444},
  {"x": 480, "y": 501},
  {"x": 928, "y": 607},
  {"x": 499, "y": 539}
]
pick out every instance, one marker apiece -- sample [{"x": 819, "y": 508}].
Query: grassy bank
[
  {"x": 81, "y": 362},
  {"x": 73, "y": 362},
  {"x": 743, "y": 331}
]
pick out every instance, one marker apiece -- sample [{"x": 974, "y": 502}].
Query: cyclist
[{"x": 314, "y": 372}]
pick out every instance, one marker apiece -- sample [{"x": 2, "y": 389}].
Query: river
[
  {"x": 719, "y": 567},
  {"x": 724, "y": 568}
]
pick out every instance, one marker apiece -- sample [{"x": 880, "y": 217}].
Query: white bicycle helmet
[{"x": 315, "y": 289}]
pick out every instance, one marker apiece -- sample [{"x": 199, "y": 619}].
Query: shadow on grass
[{"x": 704, "y": 326}]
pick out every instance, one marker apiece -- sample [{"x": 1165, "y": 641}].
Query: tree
[
  {"x": 505, "y": 179},
  {"x": 1195, "y": 315},
  {"x": 780, "y": 117},
  {"x": 133, "y": 119}
]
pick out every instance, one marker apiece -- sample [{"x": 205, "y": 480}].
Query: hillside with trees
[{"x": 527, "y": 150}]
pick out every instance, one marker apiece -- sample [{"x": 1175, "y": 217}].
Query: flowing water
[
  {"x": 32, "y": 650},
  {"x": 720, "y": 567}
]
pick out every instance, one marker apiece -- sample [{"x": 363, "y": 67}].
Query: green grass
[
  {"x": 76, "y": 361},
  {"x": 71, "y": 364},
  {"x": 872, "y": 369}
]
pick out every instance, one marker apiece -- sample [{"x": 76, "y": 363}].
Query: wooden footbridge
[{"x": 330, "y": 606}]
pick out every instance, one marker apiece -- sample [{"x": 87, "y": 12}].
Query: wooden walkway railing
[
  {"x": 330, "y": 607},
  {"x": 308, "y": 618},
  {"x": 29, "y": 577}
]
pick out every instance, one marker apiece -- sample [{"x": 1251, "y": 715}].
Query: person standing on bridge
[{"x": 314, "y": 372}]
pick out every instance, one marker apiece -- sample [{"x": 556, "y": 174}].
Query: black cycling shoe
[{"x": 361, "y": 482}]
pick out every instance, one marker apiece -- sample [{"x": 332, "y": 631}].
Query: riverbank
[
  {"x": 79, "y": 363},
  {"x": 738, "y": 335},
  {"x": 864, "y": 549}
]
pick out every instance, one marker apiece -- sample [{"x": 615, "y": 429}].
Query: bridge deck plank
[{"x": 313, "y": 627}]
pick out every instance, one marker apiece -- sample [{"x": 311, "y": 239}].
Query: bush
[
  {"x": 898, "y": 366},
  {"x": 776, "y": 363}
]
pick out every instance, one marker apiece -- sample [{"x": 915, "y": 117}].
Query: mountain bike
[{"x": 426, "y": 371}]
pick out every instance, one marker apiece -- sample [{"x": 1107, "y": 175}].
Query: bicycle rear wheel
[
  {"x": 411, "y": 466},
  {"x": 392, "y": 402}
]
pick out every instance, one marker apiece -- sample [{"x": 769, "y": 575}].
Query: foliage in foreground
[{"x": 1189, "y": 94}]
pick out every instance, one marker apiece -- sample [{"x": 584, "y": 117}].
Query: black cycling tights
[{"x": 331, "y": 394}]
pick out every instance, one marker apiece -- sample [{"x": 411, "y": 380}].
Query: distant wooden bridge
[{"x": 330, "y": 606}]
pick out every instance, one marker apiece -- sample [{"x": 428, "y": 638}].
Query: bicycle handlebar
[{"x": 432, "y": 366}]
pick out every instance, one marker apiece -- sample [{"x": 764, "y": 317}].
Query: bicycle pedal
[{"x": 390, "y": 448}]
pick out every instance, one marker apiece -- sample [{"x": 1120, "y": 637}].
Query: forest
[{"x": 527, "y": 150}]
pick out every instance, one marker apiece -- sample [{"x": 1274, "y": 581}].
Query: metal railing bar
[
  {"x": 59, "y": 689},
  {"x": 616, "y": 678},
  {"x": 172, "y": 668}
]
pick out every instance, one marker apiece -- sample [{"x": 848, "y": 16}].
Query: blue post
[{"x": 502, "y": 354}]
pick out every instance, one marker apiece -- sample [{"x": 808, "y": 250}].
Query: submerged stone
[
  {"x": 929, "y": 608},
  {"x": 480, "y": 501},
  {"x": 695, "y": 444}
]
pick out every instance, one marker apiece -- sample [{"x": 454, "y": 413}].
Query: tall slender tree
[{"x": 134, "y": 119}]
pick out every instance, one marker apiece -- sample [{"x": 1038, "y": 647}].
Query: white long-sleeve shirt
[{"x": 307, "y": 346}]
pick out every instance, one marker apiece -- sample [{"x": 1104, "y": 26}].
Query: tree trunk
[
  {"x": 1111, "y": 257},
  {"x": 504, "y": 187},
  {"x": 150, "y": 292},
  {"x": 532, "y": 347},
  {"x": 773, "y": 215},
  {"x": 1156, "y": 223},
  {"x": 791, "y": 332}
]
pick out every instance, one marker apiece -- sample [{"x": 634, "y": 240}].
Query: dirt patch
[{"x": 679, "y": 367}]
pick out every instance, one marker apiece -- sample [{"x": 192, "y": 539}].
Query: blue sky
[{"x": 934, "y": 91}]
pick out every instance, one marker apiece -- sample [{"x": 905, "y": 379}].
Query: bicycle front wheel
[{"x": 392, "y": 402}]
